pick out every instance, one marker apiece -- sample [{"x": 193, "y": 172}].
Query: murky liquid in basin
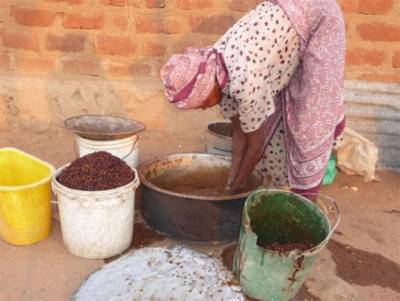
[{"x": 201, "y": 181}]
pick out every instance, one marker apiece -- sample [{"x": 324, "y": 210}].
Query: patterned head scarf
[{"x": 190, "y": 77}]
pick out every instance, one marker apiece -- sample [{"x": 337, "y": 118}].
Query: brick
[
  {"x": 194, "y": 4},
  {"x": 81, "y": 66},
  {"x": 375, "y": 7},
  {"x": 121, "y": 3},
  {"x": 33, "y": 16},
  {"x": 217, "y": 24},
  {"x": 4, "y": 61},
  {"x": 396, "y": 60},
  {"x": 121, "y": 22},
  {"x": 132, "y": 70},
  {"x": 184, "y": 4},
  {"x": 120, "y": 70},
  {"x": 154, "y": 49},
  {"x": 359, "y": 56},
  {"x": 114, "y": 45},
  {"x": 71, "y": 2},
  {"x": 192, "y": 41},
  {"x": 19, "y": 40},
  {"x": 115, "y": 2},
  {"x": 66, "y": 43},
  {"x": 202, "y": 4},
  {"x": 140, "y": 69},
  {"x": 152, "y": 24},
  {"x": 380, "y": 77},
  {"x": 379, "y": 32},
  {"x": 349, "y": 6},
  {"x": 34, "y": 65},
  {"x": 242, "y": 5},
  {"x": 155, "y": 3},
  {"x": 77, "y": 21}
]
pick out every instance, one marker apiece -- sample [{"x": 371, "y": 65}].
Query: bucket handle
[
  {"x": 338, "y": 218},
  {"x": 76, "y": 148},
  {"x": 130, "y": 152},
  {"x": 132, "y": 149}
]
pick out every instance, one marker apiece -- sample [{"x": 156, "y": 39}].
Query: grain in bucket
[{"x": 96, "y": 210}]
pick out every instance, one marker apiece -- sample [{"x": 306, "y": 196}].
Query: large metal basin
[{"x": 192, "y": 216}]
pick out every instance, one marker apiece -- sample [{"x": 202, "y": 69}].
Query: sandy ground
[{"x": 362, "y": 262}]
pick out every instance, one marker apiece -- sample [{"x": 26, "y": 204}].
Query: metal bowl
[
  {"x": 192, "y": 217},
  {"x": 99, "y": 127}
]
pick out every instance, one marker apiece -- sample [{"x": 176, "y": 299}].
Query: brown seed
[{"x": 96, "y": 172}]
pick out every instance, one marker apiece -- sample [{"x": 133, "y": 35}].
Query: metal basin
[
  {"x": 99, "y": 127},
  {"x": 182, "y": 197}
]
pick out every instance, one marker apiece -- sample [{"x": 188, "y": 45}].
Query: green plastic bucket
[{"x": 277, "y": 216}]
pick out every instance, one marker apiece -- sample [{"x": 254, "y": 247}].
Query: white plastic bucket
[
  {"x": 126, "y": 149},
  {"x": 96, "y": 224}
]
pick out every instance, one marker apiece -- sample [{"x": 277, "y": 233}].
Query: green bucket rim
[{"x": 314, "y": 250}]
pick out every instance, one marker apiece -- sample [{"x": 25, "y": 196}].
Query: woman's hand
[{"x": 239, "y": 150}]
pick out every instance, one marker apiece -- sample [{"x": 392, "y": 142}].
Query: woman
[{"x": 278, "y": 75}]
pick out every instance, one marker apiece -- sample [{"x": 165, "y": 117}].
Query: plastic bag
[{"x": 357, "y": 155}]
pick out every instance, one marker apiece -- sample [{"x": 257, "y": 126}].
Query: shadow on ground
[{"x": 363, "y": 268}]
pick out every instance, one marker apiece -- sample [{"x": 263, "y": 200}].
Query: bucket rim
[
  {"x": 295, "y": 253},
  {"x": 58, "y": 186},
  {"x": 34, "y": 184}
]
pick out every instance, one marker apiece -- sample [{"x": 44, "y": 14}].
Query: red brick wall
[
  {"x": 132, "y": 38},
  {"x": 373, "y": 39}
]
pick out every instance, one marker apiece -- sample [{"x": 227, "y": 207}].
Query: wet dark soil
[
  {"x": 227, "y": 256},
  {"x": 96, "y": 172},
  {"x": 143, "y": 236},
  {"x": 363, "y": 268},
  {"x": 200, "y": 181},
  {"x": 305, "y": 295}
]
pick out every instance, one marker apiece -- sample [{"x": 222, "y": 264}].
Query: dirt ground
[{"x": 362, "y": 262}]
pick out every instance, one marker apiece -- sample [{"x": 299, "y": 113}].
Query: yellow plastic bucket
[{"x": 25, "y": 197}]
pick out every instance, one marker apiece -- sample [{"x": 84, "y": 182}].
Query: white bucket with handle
[
  {"x": 96, "y": 224},
  {"x": 126, "y": 149}
]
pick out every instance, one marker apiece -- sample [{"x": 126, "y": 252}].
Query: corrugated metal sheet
[{"x": 373, "y": 110}]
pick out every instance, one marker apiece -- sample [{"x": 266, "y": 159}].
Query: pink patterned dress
[{"x": 285, "y": 61}]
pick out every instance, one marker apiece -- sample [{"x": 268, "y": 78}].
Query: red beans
[{"x": 96, "y": 172}]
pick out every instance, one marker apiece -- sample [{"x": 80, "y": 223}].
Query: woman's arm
[
  {"x": 255, "y": 147},
  {"x": 239, "y": 150}
]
